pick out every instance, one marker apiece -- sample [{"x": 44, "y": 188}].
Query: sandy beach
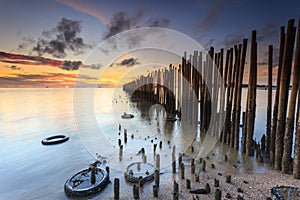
[{"x": 254, "y": 179}]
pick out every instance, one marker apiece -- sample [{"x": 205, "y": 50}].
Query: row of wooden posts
[{"x": 203, "y": 99}]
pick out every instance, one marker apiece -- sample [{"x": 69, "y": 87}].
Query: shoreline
[{"x": 254, "y": 182}]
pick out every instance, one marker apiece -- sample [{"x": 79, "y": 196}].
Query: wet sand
[{"x": 253, "y": 178}]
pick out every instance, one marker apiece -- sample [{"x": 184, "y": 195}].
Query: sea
[{"x": 91, "y": 118}]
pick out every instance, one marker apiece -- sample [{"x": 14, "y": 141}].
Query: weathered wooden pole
[
  {"x": 116, "y": 188},
  {"x": 251, "y": 101},
  {"x": 269, "y": 108},
  {"x": 237, "y": 50},
  {"x": 136, "y": 192},
  {"x": 283, "y": 93},
  {"x": 296, "y": 162},
  {"x": 229, "y": 59},
  {"x": 176, "y": 191},
  {"x": 239, "y": 95},
  {"x": 276, "y": 100},
  {"x": 156, "y": 177},
  {"x": 289, "y": 127}
]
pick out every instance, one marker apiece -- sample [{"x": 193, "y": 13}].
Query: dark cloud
[
  {"x": 38, "y": 60},
  {"x": 71, "y": 65},
  {"x": 121, "y": 21},
  {"x": 58, "y": 41},
  {"x": 28, "y": 60},
  {"x": 128, "y": 62},
  {"x": 210, "y": 19},
  {"x": 158, "y": 23},
  {"x": 14, "y": 67},
  {"x": 93, "y": 66},
  {"x": 233, "y": 38}
]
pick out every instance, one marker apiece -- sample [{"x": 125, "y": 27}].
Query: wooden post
[
  {"x": 296, "y": 162},
  {"x": 269, "y": 108},
  {"x": 116, "y": 188},
  {"x": 203, "y": 165},
  {"x": 156, "y": 178},
  {"x": 182, "y": 170},
  {"x": 283, "y": 93},
  {"x": 157, "y": 161},
  {"x": 289, "y": 129},
  {"x": 251, "y": 102},
  {"x": 155, "y": 191},
  {"x": 216, "y": 183},
  {"x": 207, "y": 188},
  {"x": 275, "y": 109},
  {"x": 218, "y": 194},
  {"x": 188, "y": 183},
  {"x": 237, "y": 50},
  {"x": 228, "y": 179},
  {"x": 136, "y": 192},
  {"x": 239, "y": 95},
  {"x": 176, "y": 191},
  {"x": 229, "y": 59}
]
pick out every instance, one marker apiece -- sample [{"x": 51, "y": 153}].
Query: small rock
[
  {"x": 240, "y": 190},
  {"x": 228, "y": 196}
]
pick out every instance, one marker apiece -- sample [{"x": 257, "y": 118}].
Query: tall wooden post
[
  {"x": 289, "y": 127},
  {"x": 251, "y": 102},
  {"x": 283, "y": 93},
  {"x": 276, "y": 100},
  {"x": 269, "y": 108},
  {"x": 239, "y": 95}
]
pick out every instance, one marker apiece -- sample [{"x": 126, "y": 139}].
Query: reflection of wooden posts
[
  {"x": 276, "y": 100},
  {"x": 289, "y": 129},
  {"x": 283, "y": 92},
  {"x": 239, "y": 94},
  {"x": 269, "y": 108},
  {"x": 251, "y": 98}
]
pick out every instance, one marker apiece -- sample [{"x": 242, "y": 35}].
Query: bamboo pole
[
  {"x": 276, "y": 100},
  {"x": 239, "y": 95},
  {"x": 269, "y": 109},
  {"x": 251, "y": 103},
  {"x": 283, "y": 93},
  {"x": 289, "y": 127}
]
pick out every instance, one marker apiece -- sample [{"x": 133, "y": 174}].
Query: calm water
[{"x": 29, "y": 170}]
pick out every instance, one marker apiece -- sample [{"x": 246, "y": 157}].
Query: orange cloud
[
  {"x": 265, "y": 71},
  {"x": 82, "y": 7}
]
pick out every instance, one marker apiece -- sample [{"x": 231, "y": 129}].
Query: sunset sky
[{"x": 46, "y": 43}]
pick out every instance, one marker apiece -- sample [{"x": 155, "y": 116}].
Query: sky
[{"x": 48, "y": 43}]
